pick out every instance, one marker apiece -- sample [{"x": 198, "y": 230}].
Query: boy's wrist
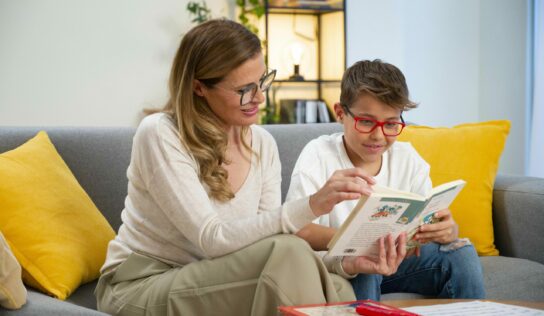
[{"x": 455, "y": 233}]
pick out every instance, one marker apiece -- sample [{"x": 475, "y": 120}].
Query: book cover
[
  {"x": 361, "y": 307},
  {"x": 341, "y": 308},
  {"x": 303, "y": 111},
  {"x": 300, "y": 111},
  {"x": 389, "y": 211}
]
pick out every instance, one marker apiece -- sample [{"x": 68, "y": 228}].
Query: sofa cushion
[
  {"x": 470, "y": 152},
  {"x": 84, "y": 295},
  {"x": 98, "y": 158},
  {"x": 291, "y": 139},
  {"x": 508, "y": 278},
  {"x": 54, "y": 229},
  {"x": 518, "y": 216}
]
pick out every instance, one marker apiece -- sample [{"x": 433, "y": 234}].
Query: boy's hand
[
  {"x": 443, "y": 232},
  {"x": 389, "y": 258},
  {"x": 347, "y": 184}
]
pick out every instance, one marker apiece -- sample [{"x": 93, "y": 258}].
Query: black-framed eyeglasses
[
  {"x": 248, "y": 92},
  {"x": 367, "y": 125}
]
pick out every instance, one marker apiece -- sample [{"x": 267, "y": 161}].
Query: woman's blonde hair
[{"x": 207, "y": 53}]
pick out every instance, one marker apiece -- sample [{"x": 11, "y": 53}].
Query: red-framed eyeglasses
[{"x": 367, "y": 125}]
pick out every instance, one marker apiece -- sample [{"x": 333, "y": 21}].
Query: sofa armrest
[{"x": 518, "y": 216}]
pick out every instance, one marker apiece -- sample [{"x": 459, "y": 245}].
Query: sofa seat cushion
[
  {"x": 505, "y": 278},
  {"x": 84, "y": 296},
  {"x": 41, "y": 304},
  {"x": 513, "y": 279}
]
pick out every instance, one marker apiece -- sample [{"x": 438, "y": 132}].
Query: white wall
[
  {"x": 503, "y": 92},
  {"x": 99, "y": 63},
  {"x": 88, "y": 63},
  {"x": 464, "y": 60}
]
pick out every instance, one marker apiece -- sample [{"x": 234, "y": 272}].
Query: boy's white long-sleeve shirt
[
  {"x": 402, "y": 169},
  {"x": 169, "y": 215}
]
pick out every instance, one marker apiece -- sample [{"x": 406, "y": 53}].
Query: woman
[{"x": 203, "y": 219}]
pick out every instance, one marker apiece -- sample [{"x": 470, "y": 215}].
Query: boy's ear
[
  {"x": 339, "y": 111},
  {"x": 198, "y": 88}
]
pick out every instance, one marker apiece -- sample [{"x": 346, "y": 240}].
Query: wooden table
[{"x": 425, "y": 302}]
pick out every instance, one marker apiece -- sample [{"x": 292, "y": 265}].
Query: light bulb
[{"x": 297, "y": 50}]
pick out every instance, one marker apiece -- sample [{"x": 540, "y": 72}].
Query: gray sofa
[{"x": 99, "y": 158}]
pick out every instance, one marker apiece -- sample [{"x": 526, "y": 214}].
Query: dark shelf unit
[
  {"x": 318, "y": 12},
  {"x": 306, "y": 81},
  {"x": 300, "y": 10}
]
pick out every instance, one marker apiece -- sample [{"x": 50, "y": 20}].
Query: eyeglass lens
[{"x": 265, "y": 83}]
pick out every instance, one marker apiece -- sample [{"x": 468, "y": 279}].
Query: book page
[
  {"x": 389, "y": 211},
  {"x": 377, "y": 217},
  {"x": 440, "y": 200},
  {"x": 478, "y": 308},
  {"x": 442, "y": 197},
  {"x": 385, "y": 191}
]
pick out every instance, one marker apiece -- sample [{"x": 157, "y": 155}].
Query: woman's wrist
[
  {"x": 345, "y": 269},
  {"x": 345, "y": 266},
  {"x": 314, "y": 205}
]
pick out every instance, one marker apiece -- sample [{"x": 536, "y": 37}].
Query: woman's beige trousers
[{"x": 279, "y": 270}]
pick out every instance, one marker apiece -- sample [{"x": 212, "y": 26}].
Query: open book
[{"x": 389, "y": 211}]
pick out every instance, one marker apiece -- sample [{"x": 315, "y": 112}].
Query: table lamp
[{"x": 296, "y": 51}]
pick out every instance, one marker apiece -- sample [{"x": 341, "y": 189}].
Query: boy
[{"x": 373, "y": 96}]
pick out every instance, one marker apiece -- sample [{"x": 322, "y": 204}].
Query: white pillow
[{"x": 12, "y": 290}]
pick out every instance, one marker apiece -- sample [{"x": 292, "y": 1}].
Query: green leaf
[
  {"x": 199, "y": 10},
  {"x": 191, "y": 7},
  {"x": 250, "y": 8},
  {"x": 259, "y": 12}
]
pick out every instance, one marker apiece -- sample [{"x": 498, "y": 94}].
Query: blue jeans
[{"x": 437, "y": 272}]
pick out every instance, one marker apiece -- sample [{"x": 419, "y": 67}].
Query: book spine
[
  {"x": 323, "y": 112},
  {"x": 311, "y": 111},
  {"x": 300, "y": 111}
]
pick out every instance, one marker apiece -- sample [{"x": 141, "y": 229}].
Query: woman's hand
[
  {"x": 347, "y": 184},
  {"x": 389, "y": 258},
  {"x": 443, "y": 232}
]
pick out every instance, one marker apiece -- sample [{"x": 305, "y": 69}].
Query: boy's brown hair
[{"x": 379, "y": 79}]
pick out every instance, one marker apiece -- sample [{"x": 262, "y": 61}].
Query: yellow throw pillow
[
  {"x": 52, "y": 226},
  {"x": 470, "y": 152}
]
